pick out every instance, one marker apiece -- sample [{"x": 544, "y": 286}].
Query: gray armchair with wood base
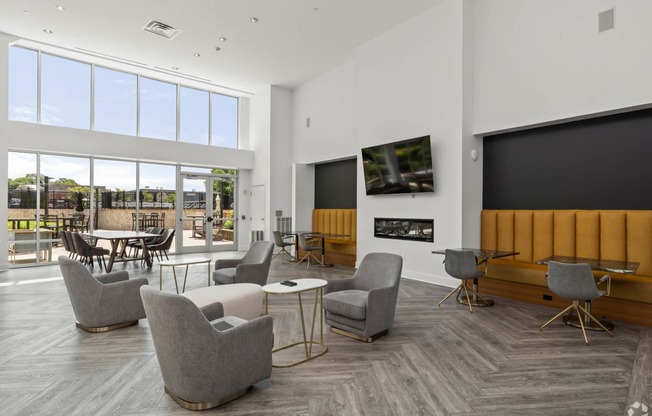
[
  {"x": 252, "y": 268},
  {"x": 206, "y": 359},
  {"x": 363, "y": 306},
  {"x": 102, "y": 303}
]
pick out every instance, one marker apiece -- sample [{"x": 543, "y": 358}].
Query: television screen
[{"x": 399, "y": 167}]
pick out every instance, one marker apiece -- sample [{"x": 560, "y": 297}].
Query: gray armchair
[
  {"x": 202, "y": 363},
  {"x": 102, "y": 303},
  {"x": 252, "y": 268},
  {"x": 363, "y": 306}
]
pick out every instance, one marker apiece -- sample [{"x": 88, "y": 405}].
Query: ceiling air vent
[{"x": 161, "y": 29}]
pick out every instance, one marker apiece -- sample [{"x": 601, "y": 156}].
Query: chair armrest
[
  {"x": 226, "y": 263},
  {"x": 339, "y": 284},
  {"x": 606, "y": 278},
  {"x": 249, "y": 335},
  {"x": 213, "y": 311},
  {"x": 381, "y": 307},
  {"x": 113, "y": 277}
]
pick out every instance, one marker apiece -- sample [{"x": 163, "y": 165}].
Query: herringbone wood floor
[{"x": 435, "y": 361}]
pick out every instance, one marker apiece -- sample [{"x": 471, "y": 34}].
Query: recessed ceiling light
[
  {"x": 253, "y": 19},
  {"x": 315, "y": 9},
  {"x": 223, "y": 39},
  {"x": 217, "y": 49},
  {"x": 26, "y": 12},
  {"x": 175, "y": 68},
  {"x": 60, "y": 8},
  {"x": 196, "y": 55},
  {"x": 48, "y": 31}
]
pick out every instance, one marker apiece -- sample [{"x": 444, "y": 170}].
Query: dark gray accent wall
[
  {"x": 600, "y": 163},
  {"x": 335, "y": 184}
]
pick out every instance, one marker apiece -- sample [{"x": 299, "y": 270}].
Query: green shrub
[{"x": 228, "y": 224}]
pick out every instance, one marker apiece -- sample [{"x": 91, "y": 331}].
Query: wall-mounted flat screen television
[{"x": 399, "y": 167}]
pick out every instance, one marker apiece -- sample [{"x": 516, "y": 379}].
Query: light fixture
[
  {"x": 223, "y": 39},
  {"x": 48, "y": 31},
  {"x": 196, "y": 55},
  {"x": 315, "y": 9},
  {"x": 175, "y": 68},
  {"x": 60, "y": 8},
  {"x": 253, "y": 19},
  {"x": 217, "y": 49},
  {"x": 26, "y": 12}
]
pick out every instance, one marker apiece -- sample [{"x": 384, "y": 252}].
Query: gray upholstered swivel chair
[
  {"x": 252, "y": 268},
  {"x": 282, "y": 244},
  {"x": 363, "y": 306},
  {"x": 575, "y": 281},
  {"x": 462, "y": 264},
  {"x": 203, "y": 364},
  {"x": 309, "y": 249},
  {"x": 102, "y": 303}
]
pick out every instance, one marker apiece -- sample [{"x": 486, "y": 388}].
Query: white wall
[
  {"x": 540, "y": 61},
  {"x": 303, "y": 195},
  {"x": 4, "y": 54},
  {"x": 259, "y": 142},
  {"x": 280, "y": 188},
  {"x": 406, "y": 83}
]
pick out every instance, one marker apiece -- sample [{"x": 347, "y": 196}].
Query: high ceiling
[{"x": 292, "y": 41}]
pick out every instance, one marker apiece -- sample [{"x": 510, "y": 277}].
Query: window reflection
[
  {"x": 224, "y": 119},
  {"x": 23, "y": 83},
  {"x": 158, "y": 109},
  {"x": 65, "y": 92},
  {"x": 193, "y": 115},
  {"x": 115, "y": 101}
]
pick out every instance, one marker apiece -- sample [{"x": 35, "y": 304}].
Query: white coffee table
[
  {"x": 182, "y": 262},
  {"x": 303, "y": 285}
]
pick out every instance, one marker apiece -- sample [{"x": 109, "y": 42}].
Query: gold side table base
[{"x": 308, "y": 358}]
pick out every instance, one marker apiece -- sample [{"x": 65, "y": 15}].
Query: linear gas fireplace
[{"x": 404, "y": 229}]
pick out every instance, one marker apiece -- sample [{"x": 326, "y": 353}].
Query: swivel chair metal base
[
  {"x": 576, "y": 308},
  {"x": 474, "y": 300},
  {"x": 206, "y": 405},
  {"x": 108, "y": 328},
  {"x": 358, "y": 337}
]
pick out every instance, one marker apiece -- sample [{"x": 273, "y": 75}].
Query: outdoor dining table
[{"x": 118, "y": 237}]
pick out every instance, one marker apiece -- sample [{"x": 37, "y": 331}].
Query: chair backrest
[
  {"x": 177, "y": 325},
  {"x": 572, "y": 281},
  {"x": 65, "y": 240},
  {"x": 378, "y": 270},
  {"x": 259, "y": 252},
  {"x": 278, "y": 239},
  {"x": 81, "y": 246},
  {"x": 82, "y": 287},
  {"x": 304, "y": 244},
  {"x": 169, "y": 236},
  {"x": 461, "y": 264}
]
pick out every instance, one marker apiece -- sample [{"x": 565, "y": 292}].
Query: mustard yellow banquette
[
  {"x": 597, "y": 234},
  {"x": 342, "y": 222}
]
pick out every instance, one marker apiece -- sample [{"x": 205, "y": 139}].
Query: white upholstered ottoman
[{"x": 244, "y": 300}]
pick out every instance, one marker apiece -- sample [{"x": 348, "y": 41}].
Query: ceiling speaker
[{"x": 606, "y": 20}]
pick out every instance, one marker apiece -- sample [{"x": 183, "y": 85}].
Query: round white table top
[{"x": 302, "y": 285}]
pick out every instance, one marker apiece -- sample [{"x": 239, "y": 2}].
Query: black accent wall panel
[
  {"x": 335, "y": 184},
  {"x": 600, "y": 163}
]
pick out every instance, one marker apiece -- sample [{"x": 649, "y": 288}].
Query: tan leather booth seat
[
  {"x": 341, "y": 221},
  {"x": 598, "y": 234}
]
